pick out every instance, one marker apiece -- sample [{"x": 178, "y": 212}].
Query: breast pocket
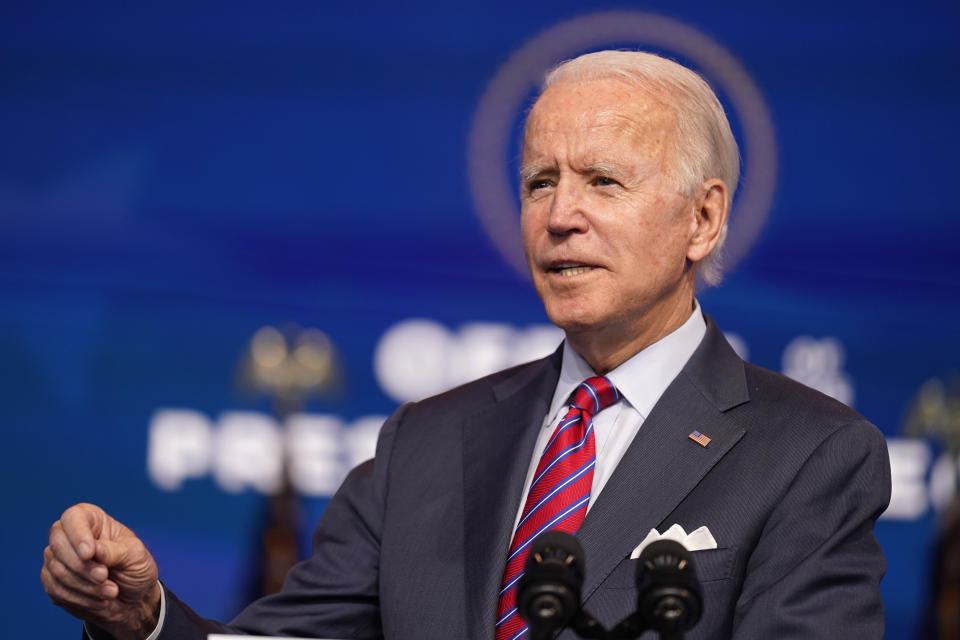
[{"x": 710, "y": 565}]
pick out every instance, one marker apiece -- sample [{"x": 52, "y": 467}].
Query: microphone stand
[{"x": 586, "y": 626}]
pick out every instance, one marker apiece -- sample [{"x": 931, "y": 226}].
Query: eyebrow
[
  {"x": 605, "y": 168},
  {"x": 529, "y": 172}
]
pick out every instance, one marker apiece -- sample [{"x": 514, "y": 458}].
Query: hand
[{"x": 99, "y": 571}]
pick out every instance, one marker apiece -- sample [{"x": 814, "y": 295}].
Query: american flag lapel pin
[{"x": 700, "y": 438}]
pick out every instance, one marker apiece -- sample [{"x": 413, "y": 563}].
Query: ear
[{"x": 710, "y": 219}]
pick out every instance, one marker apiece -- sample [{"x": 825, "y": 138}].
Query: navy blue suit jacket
[{"x": 413, "y": 544}]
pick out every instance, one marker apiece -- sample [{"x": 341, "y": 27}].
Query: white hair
[{"x": 704, "y": 145}]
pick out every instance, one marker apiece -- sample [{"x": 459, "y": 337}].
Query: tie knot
[{"x": 595, "y": 394}]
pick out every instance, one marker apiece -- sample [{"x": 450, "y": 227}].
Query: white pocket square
[{"x": 697, "y": 540}]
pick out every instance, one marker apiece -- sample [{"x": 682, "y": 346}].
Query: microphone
[
  {"x": 548, "y": 593},
  {"x": 668, "y": 598}
]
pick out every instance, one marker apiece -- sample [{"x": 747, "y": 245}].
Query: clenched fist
[{"x": 99, "y": 571}]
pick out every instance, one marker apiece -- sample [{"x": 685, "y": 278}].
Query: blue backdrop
[{"x": 176, "y": 177}]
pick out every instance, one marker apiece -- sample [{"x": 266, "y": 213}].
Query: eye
[
  {"x": 535, "y": 185},
  {"x": 604, "y": 181}
]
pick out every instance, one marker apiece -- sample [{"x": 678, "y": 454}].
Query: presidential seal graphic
[{"x": 494, "y": 143}]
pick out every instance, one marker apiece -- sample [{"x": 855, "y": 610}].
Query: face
[{"x": 605, "y": 229}]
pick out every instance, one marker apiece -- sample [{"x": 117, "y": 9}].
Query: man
[{"x": 628, "y": 171}]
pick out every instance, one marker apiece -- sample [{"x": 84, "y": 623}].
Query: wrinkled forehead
[
  {"x": 609, "y": 109},
  {"x": 601, "y": 95}
]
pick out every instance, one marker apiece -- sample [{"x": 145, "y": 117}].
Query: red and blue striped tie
[{"x": 559, "y": 493}]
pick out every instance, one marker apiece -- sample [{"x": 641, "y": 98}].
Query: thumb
[{"x": 83, "y": 524}]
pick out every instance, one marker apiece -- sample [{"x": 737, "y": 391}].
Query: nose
[{"x": 567, "y": 212}]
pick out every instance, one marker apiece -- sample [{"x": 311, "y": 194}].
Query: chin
[{"x": 573, "y": 320}]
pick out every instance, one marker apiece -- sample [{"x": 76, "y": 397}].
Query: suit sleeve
[
  {"x": 335, "y": 592},
  {"x": 816, "y": 569}
]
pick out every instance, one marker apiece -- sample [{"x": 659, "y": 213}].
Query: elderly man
[{"x": 644, "y": 419}]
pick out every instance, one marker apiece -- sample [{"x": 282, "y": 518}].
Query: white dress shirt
[{"x": 641, "y": 381}]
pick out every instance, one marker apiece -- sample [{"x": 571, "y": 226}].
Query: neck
[{"x": 608, "y": 347}]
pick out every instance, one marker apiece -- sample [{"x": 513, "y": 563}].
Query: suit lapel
[
  {"x": 498, "y": 445},
  {"x": 662, "y": 465}
]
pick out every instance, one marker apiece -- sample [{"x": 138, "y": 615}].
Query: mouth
[{"x": 569, "y": 269}]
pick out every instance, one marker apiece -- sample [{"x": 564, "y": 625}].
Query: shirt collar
[{"x": 643, "y": 378}]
